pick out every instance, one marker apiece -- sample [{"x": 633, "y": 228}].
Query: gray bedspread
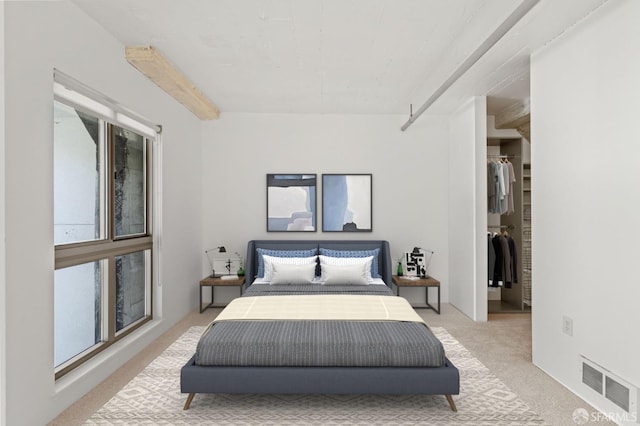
[
  {"x": 285, "y": 290},
  {"x": 320, "y": 344}
]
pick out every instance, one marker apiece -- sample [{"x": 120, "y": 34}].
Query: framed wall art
[
  {"x": 291, "y": 203},
  {"x": 347, "y": 203}
]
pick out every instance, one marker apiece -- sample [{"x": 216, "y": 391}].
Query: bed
[{"x": 352, "y": 308}]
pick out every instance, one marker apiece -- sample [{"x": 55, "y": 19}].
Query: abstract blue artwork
[{"x": 346, "y": 203}]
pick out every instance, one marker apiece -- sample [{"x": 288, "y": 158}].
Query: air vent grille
[
  {"x": 609, "y": 386},
  {"x": 617, "y": 393},
  {"x": 592, "y": 377}
]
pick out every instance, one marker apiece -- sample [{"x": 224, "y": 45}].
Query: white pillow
[
  {"x": 293, "y": 274},
  {"x": 328, "y": 260},
  {"x": 270, "y": 260},
  {"x": 345, "y": 274}
]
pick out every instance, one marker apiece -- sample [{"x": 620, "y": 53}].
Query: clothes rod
[
  {"x": 501, "y": 226},
  {"x": 502, "y": 156}
]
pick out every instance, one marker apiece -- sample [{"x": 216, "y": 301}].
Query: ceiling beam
[
  {"x": 516, "y": 116},
  {"x": 525, "y": 130},
  {"x": 154, "y": 66}
]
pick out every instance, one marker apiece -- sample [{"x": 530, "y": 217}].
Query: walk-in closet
[{"x": 508, "y": 224}]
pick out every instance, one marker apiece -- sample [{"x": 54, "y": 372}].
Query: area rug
[{"x": 153, "y": 398}]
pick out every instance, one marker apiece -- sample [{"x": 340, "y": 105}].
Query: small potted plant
[{"x": 240, "y": 268}]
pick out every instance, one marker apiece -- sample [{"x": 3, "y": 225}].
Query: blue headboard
[{"x": 384, "y": 257}]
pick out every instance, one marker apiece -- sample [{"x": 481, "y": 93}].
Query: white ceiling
[{"x": 339, "y": 56}]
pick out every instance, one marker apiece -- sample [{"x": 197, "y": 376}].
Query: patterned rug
[{"x": 153, "y": 398}]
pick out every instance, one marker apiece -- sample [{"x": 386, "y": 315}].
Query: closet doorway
[{"x": 509, "y": 225}]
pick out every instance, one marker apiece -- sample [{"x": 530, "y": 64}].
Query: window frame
[
  {"x": 146, "y": 150},
  {"x": 109, "y": 246}
]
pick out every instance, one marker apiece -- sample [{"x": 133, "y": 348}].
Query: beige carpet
[{"x": 153, "y": 397}]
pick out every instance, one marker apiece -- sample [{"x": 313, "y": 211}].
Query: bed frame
[{"x": 443, "y": 380}]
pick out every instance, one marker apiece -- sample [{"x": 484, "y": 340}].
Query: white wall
[
  {"x": 2, "y": 228},
  {"x": 409, "y": 174},
  {"x": 468, "y": 209},
  {"x": 41, "y": 36},
  {"x": 585, "y": 106}
]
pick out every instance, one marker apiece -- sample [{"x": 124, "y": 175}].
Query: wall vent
[
  {"x": 610, "y": 386},
  {"x": 592, "y": 377},
  {"x": 617, "y": 393}
]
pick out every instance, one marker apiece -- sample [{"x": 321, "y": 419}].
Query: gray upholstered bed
[{"x": 237, "y": 369}]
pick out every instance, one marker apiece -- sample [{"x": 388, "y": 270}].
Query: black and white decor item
[{"x": 417, "y": 262}]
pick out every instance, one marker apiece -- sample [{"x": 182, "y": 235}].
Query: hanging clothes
[
  {"x": 491, "y": 187},
  {"x": 497, "y": 189},
  {"x": 503, "y": 261},
  {"x": 501, "y": 185},
  {"x": 492, "y": 260},
  {"x": 499, "y": 260},
  {"x": 504, "y": 201},
  {"x": 513, "y": 259},
  {"x": 507, "y": 276},
  {"x": 512, "y": 179},
  {"x": 500, "y": 182}
]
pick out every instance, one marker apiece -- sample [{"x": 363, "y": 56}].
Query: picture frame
[
  {"x": 347, "y": 202},
  {"x": 291, "y": 202},
  {"x": 226, "y": 265}
]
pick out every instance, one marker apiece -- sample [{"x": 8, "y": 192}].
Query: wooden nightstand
[
  {"x": 217, "y": 281},
  {"x": 420, "y": 282}
]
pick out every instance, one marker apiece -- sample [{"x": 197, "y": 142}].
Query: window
[{"x": 102, "y": 226}]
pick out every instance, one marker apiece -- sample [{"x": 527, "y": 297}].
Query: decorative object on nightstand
[
  {"x": 229, "y": 263},
  {"x": 224, "y": 263},
  {"x": 417, "y": 262},
  {"x": 219, "y": 249},
  {"x": 399, "y": 272},
  {"x": 240, "y": 272}
]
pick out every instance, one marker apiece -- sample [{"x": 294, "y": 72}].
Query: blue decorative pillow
[
  {"x": 356, "y": 253},
  {"x": 281, "y": 253}
]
